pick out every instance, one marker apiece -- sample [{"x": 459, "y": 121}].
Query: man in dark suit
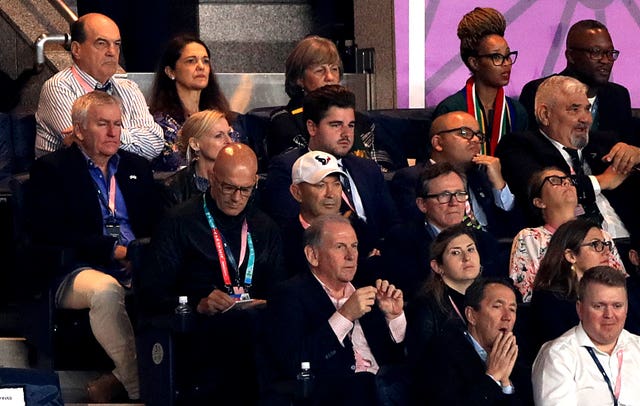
[
  {"x": 590, "y": 57},
  {"x": 330, "y": 119},
  {"x": 477, "y": 366},
  {"x": 348, "y": 334},
  {"x": 603, "y": 166},
  {"x": 455, "y": 138},
  {"x": 441, "y": 199},
  {"x": 90, "y": 200}
]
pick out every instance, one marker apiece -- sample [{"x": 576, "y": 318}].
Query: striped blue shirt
[{"x": 140, "y": 135}]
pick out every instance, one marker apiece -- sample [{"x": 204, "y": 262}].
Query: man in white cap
[{"x": 316, "y": 187}]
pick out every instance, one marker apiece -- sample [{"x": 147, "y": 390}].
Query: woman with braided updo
[{"x": 486, "y": 53}]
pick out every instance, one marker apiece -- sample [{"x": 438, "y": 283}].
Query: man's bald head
[
  {"x": 590, "y": 53},
  {"x": 452, "y": 119},
  {"x": 233, "y": 178},
  {"x": 455, "y": 138},
  {"x": 234, "y": 156},
  {"x": 95, "y": 45}
]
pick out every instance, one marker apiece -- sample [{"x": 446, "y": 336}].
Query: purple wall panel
[{"x": 537, "y": 29}]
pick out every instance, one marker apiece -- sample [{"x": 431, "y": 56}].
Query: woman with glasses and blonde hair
[
  {"x": 576, "y": 246},
  {"x": 202, "y": 136},
  {"x": 552, "y": 194},
  {"x": 486, "y": 53}
]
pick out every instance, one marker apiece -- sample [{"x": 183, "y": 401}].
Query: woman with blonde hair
[
  {"x": 202, "y": 136},
  {"x": 486, "y": 53}
]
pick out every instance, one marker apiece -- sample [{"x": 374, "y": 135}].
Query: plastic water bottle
[
  {"x": 304, "y": 384},
  {"x": 183, "y": 314}
]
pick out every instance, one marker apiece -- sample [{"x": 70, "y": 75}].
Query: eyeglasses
[
  {"x": 466, "y": 133},
  {"x": 598, "y": 245},
  {"x": 597, "y": 54},
  {"x": 556, "y": 180},
  {"x": 228, "y": 189},
  {"x": 498, "y": 59},
  {"x": 447, "y": 197}
]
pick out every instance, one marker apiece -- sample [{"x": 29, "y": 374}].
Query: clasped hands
[
  {"x": 502, "y": 358},
  {"x": 387, "y": 296}
]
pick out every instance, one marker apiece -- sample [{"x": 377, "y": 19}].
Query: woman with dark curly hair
[
  {"x": 486, "y": 53},
  {"x": 184, "y": 84}
]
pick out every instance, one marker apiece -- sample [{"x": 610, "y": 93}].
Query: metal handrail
[
  {"x": 63, "y": 39},
  {"x": 66, "y": 12}
]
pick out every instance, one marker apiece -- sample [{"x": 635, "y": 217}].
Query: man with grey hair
[
  {"x": 349, "y": 335},
  {"x": 604, "y": 167},
  {"x": 87, "y": 203},
  {"x": 590, "y": 58}
]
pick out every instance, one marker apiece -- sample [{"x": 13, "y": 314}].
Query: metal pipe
[
  {"x": 64, "y": 39},
  {"x": 63, "y": 9}
]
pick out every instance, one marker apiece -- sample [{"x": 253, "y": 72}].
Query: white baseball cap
[{"x": 314, "y": 166}]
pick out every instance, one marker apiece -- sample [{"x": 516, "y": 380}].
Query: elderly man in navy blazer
[
  {"x": 330, "y": 117},
  {"x": 91, "y": 200},
  {"x": 348, "y": 334}
]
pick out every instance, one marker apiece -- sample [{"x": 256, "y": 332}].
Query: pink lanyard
[
  {"x": 112, "y": 195},
  {"x": 615, "y": 391},
  {"x": 456, "y": 309}
]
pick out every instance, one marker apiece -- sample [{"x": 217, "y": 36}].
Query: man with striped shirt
[{"x": 95, "y": 50}]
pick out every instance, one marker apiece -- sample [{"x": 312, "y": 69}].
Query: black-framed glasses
[
  {"x": 597, "y": 54},
  {"x": 446, "y": 197},
  {"x": 499, "y": 59},
  {"x": 466, "y": 133},
  {"x": 556, "y": 180},
  {"x": 598, "y": 245},
  {"x": 229, "y": 189}
]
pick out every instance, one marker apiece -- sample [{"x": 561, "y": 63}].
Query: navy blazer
[
  {"x": 376, "y": 200},
  {"x": 298, "y": 315},
  {"x": 454, "y": 374},
  {"x": 65, "y": 210},
  {"x": 614, "y": 108},
  {"x": 501, "y": 223}
]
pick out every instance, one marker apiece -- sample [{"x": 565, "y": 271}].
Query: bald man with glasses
[
  {"x": 456, "y": 138},
  {"x": 225, "y": 255}
]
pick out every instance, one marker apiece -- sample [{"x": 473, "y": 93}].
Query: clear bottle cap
[
  {"x": 305, "y": 365},
  {"x": 183, "y": 300}
]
